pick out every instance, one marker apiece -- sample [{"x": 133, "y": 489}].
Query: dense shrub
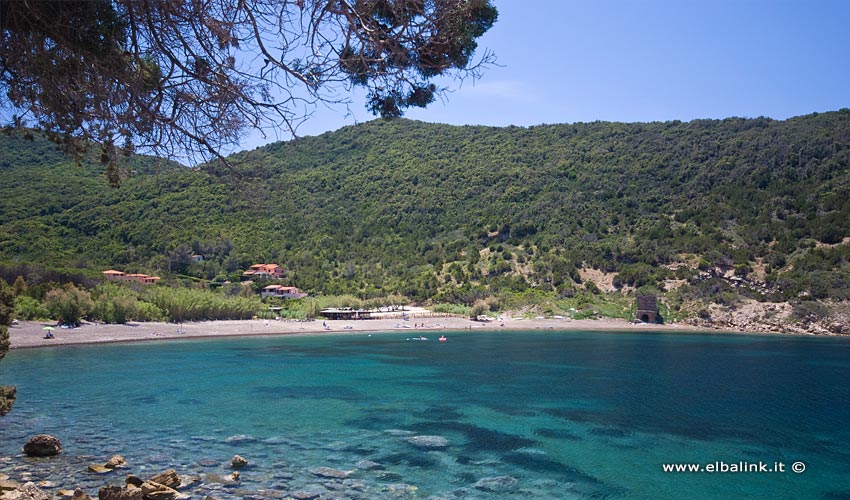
[
  {"x": 341, "y": 301},
  {"x": 68, "y": 304},
  {"x": 188, "y": 304},
  {"x": 146, "y": 311},
  {"x": 456, "y": 309},
  {"x": 480, "y": 307},
  {"x": 28, "y": 308},
  {"x": 114, "y": 310}
]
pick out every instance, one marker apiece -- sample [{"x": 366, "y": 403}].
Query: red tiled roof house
[
  {"x": 265, "y": 271},
  {"x": 113, "y": 275}
]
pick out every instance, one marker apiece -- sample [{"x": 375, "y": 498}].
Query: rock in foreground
[
  {"x": 28, "y": 491},
  {"x": 7, "y": 484},
  {"x": 157, "y": 491},
  {"x": 168, "y": 478},
  {"x": 80, "y": 495},
  {"x": 119, "y": 493},
  {"x": 115, "y": 462},
  {"x": 43, "y": 445}
]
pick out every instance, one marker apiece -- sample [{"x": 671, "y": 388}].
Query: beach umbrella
[{"x": 48, "y": 328}]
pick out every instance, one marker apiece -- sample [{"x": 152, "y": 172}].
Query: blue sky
[{"x": 566, "y": 61}]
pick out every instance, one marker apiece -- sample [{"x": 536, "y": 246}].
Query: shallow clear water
[{"x": 567, "y": 414}]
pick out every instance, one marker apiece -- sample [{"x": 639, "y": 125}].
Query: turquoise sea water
[{"x": 567, "y": 414}]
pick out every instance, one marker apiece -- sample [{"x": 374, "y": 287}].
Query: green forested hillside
[{"x": 446, "y": 213}]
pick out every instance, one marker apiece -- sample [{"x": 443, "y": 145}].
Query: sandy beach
[{"x": 28, "y": 334}]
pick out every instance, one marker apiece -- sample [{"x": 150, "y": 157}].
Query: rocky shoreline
[
  {"x": 771, "y": 317},
  {"x": 366, "y": 480}
]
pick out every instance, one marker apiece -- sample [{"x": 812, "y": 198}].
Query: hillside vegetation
[{"x": 708, "y": 213}]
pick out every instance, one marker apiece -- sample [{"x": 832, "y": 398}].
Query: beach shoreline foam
[{"x": 30, "y": 334}]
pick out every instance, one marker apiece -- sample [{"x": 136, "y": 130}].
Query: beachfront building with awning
[{"x": 345, "y": 313}]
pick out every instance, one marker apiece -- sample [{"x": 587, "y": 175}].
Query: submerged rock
[
  {"x": 98, "y": 469},
  {"x": 305, "y": 495},
  {"x": 218, "y": 479},
  {"x": 354, "y": 484},
  {"x": 460, "y": 492},
  {"x": 43, "y": 445},
  {"x": 388, "y": 476},
  {"x": 334, "y": 485},
  {"x": 499, "y": 484},
  {"x": 237, "y": 462},
  {"x": 240, "y": 438},
  {"x": 428, "y": 441},
  {"x": 401, "y": 489},
  {"x": 368, "y": 465},
  {"x": 329, "y": 473},
  {"x": 277, "y": 494},
  {"x": 398, "y": 432}
]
